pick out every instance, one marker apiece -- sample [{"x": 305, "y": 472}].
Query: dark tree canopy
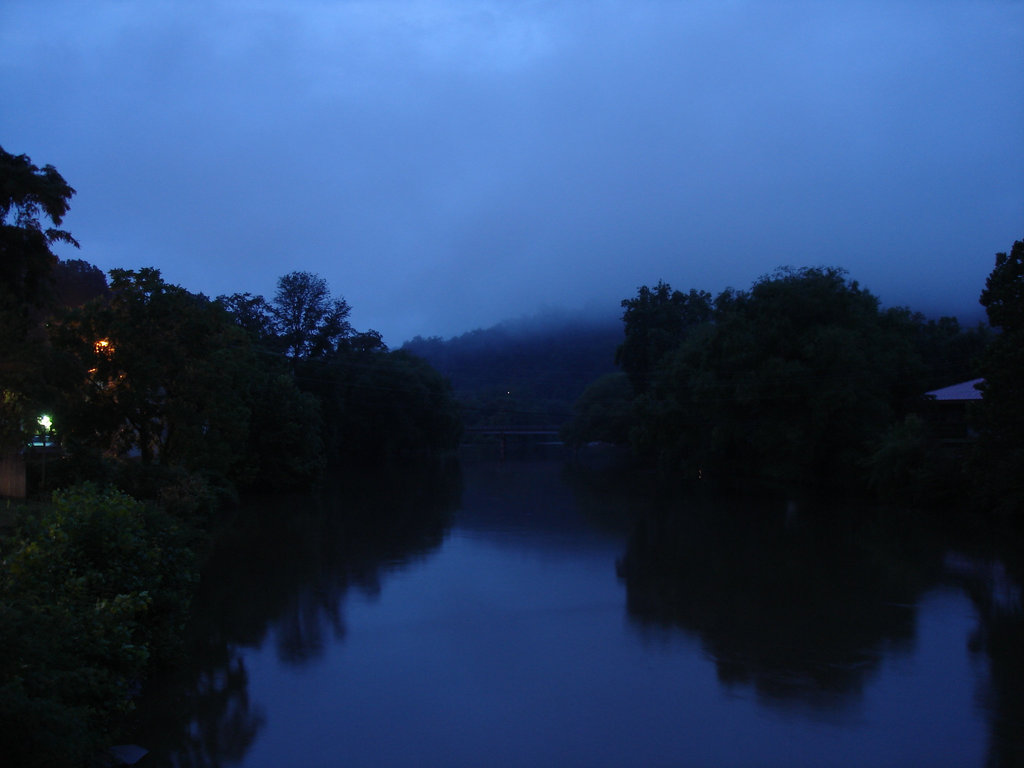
[
  {"x": 1003, "y": 297},
  {"x": 788, "y": 381},
  {"x": 166, "y": 372},
  {"x": 26, "y": 192},
  {"x": 309, "y": 321},
  {"x": 524, "y": 372},
  {"x": 158, "y": 381},
  {"x": 29, "y": 196},
  {"x": 602, "y": 413},
  {"x": 1001, "y": 450},
  {"x": 76, "y": 282},
  {"x": 253, "y": 314},
  {"x": 655, "y": 323}
]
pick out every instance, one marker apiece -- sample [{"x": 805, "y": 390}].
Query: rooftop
[{"x": 965, "y": 390}]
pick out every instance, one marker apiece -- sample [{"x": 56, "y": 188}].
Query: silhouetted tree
[
  {"x": 603, "y": 412},
  {"x": 254, "y": 315},
  {"x": 308, "y": 320},
  {"x": 790, "y": 382},
  {"x": 166, "y": 372},
  {"x": 76, "y": 282},
  {"x": 655, "y": 322},
  {"x": 29, "y": 196},
  {"x": 1001, "y": 448}
]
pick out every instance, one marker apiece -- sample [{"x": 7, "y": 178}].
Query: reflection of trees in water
[
  {"x": 199, "y": 715},
  {"x": 286, "y": 567},
  {"x": 801, "y": 605},
  {"x": 1005, "y": 646},
  {"x": 289, "y": 564},
  {"x": 994, "y": 585}
]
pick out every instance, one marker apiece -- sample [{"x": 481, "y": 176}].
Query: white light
[{"x": 45, "y": 422}]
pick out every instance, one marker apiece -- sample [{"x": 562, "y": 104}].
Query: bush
[{"x": 93, "y": 591}]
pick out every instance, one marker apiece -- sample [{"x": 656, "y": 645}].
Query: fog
[{"x": 448, "y": 165}]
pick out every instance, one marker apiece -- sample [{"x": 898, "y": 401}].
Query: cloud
[{"x": 447, "y": 165}]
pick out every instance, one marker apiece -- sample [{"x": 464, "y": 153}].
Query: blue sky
[{"x": 447, "y": 165}]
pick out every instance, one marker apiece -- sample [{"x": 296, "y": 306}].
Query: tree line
[
  {"x": 804, "y": 380},
  {"x": 166, "y": 403},
  {"x": 241, "y": 390}
]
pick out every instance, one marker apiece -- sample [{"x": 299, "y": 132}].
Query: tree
[
  {"x": 160, "y": 370},
  {"x": 156, "y": 369},
  {"x": 76, "y": 282},
  {"x": 790, "y": 382},
  {"x": 308, "y": 320},
  {"x": 1003, "y": 297},
  {"x": 28, "y": 197},
  {"x": 602, "y": 413},
  {"x": 1001, "y": 447},
  {"x": 28, "y": 193},
  {"x": 655, "y": 323},
  {"x": 377, "y": 404},
  {"x": 94, "y": 590},
  {"x": 254, "y": 315}
]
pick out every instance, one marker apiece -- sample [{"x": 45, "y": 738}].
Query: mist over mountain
[{"x": 527, "y": 370}]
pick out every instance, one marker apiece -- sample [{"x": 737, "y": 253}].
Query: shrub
[{"x": 92, "y": 590}]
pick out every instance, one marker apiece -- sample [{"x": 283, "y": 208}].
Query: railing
[
  {"x": 503, "y": 433},
  {"x": 513, "y": 430}
]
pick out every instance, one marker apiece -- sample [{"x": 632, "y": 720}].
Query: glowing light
[{"x": 45, "y": 422}]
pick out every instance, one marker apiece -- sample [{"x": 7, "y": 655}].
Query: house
[{"x": 947, "y": 410}]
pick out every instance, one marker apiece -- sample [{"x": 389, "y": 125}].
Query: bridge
[
  {"x": 504, "y": 432},
  {"x": 545, "y": 430}
]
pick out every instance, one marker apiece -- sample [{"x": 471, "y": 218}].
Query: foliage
[
  {"x": 343, "y": 396},
  {"x": 378, "y": 404},
  {"x": 27, "y": 194},
  {"x": 656, "y": 321},
  {"x": 92, "y": 592},
  {"x": 286, "y": 448},
  {"x": 15, "y": 408},
  {"x": 1000, "y": 459},
  {"x": 603, "y": 412},
  {"x": 155, "y": 369},
  {"x": 526, "y": 372},
  {"x": 182, "y": 400},
  {"x": 160, "y": 370},
  {"x": 793, "y": 381},
  {"x": 308, "y": 320},
  {"x": 28, "y": 197},
  {"x": 254, "y": 315},
  {"x": 907, "y": 466},
  {"x": 77, "y": 282}
]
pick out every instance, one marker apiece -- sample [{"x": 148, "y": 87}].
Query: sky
[{"x": 446, "y": 165}]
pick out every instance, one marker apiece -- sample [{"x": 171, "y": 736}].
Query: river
[{"x": 511, "y": 614}]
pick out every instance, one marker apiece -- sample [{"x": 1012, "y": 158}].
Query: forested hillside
[{"x": 527, "y": 371}]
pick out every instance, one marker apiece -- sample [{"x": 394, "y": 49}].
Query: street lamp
[{"x": 45, "y": 422}]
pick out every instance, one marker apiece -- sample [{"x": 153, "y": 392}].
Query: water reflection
[
  {"x": 994, "y": 586},
  {"x": 283, "y": 572},
  {"x": 799, "y": 604},
  {"x": 508, "y": 641},
  {"x": 539, "y": 505}
]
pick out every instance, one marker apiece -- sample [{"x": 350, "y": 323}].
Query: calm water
[{"x": 506, "y": 615}]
